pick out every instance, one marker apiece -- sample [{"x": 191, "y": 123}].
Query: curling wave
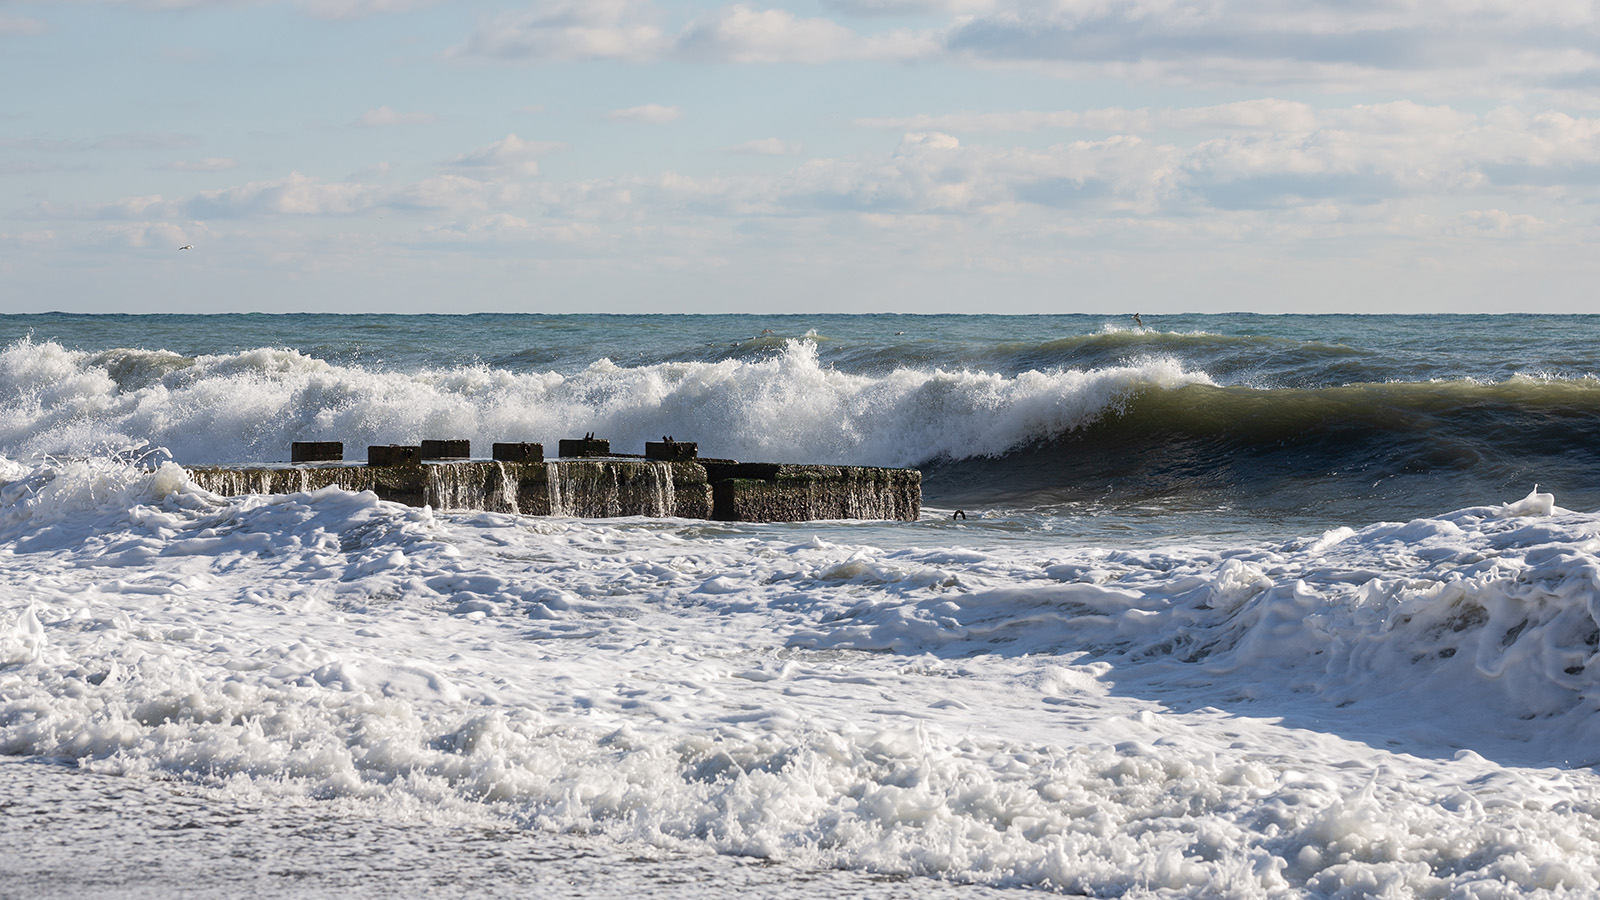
[
  {"x": 1387, "y": 448},
  {"x": 1146, "y": 427},
  {"x": 786, "y": 407}
]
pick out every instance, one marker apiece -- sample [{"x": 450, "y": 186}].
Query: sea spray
[
  {"x": 249, "y": 407},
  {"x": 1102, "y": 722},
  {"x": 1150, "y": 428},
  {"x": 1215, "y": 634}
]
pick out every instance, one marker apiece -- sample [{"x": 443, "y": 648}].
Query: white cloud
[
  {"x": 355, "y": 9},
  {"x": 507, "y": 228},
  {"x": 509, "y": 155},
  {"x": 562, "y": 30},
  {"x": 648, "y": 114},
  {"x": 1496, "y": 223},
  {"x": 906, "y": 7},
  {"x": 378, "y": 170},
  {"x": 1441, "y": 47},
  {"x": 1332, "y": 195},
  {"x": 135, "y": 208},
  {"x": 1350, "y": 172},
  {"x": 295, "y": 195},
  {"x": 1265, "y": 115},
  {"x": 978, "y": 123},
  {"x": 739, "y": 34},
  {"x": 1347, "y": 158},
  {"x": 28, "y": 239},
  {"x": 385, "y": 116},
  {"x": 146, "y": 235},
  {"x": 765, "y": 147},
  {"x": 303, "y": 196},
  {"x": 1445, "y": 48},
  {"x": 918, "y": 141},
  {"x": 299, "y": 195}
]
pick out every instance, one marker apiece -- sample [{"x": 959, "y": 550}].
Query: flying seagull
[{"x": 187, "y": 247}]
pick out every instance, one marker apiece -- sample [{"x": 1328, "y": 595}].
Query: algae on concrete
[
  {"x": 604, "y": 488},
  {"x": 762, "y": 492}
]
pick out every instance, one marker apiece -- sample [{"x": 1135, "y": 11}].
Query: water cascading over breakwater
[
  {"x": 259, "y": 481},
  {"x": 589, "y": 489},
  {"x": 487, "y": 487}
]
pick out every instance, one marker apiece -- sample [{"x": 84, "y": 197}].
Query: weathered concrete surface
[
  {"x": 316, "y": 451},
  {"x": 447, "y": 449},
  {"x": 522, "y": 451},
  {"x": 606, "y": 488},
  {"x": 394, "y": 455},
  {"x": 585, "y": 488},
  {"x": 671, "y": 451},
  {"x": 776, "y": 492},
  {"x": 576, "y": 448}
]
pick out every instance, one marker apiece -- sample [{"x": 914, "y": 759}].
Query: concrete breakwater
[{"x": 601, "y": 486}]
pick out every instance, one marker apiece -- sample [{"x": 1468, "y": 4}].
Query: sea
[{"x": 1238, "y": 606}]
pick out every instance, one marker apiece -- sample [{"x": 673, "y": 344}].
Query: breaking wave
[{"x": 1145, "y": 427}]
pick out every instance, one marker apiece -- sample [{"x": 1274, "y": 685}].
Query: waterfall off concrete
[
  {"x": 487, "y": 487},
  {"x": 606, "y": 487},
  {"x": 591, "y": 489}
]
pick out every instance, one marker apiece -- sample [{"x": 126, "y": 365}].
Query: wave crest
[{"x": 786, "y": 407}]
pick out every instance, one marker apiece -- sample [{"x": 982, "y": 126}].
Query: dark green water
[{"x": 1243, "y": 423}]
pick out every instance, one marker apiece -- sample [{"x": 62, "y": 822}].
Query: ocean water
[{"x": 1244, "y": 606}]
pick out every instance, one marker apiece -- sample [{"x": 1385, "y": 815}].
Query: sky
[{"x": 989, "y": 156}]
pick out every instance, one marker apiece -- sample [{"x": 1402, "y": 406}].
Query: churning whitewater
[
  {"x": 249, "y": 406},
  {"x": 1404, "y": 705}
]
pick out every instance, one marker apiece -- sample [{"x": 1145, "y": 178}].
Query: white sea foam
[
  {"x": 1255, "y": 723},
  {"x": 250, "y": 406}
]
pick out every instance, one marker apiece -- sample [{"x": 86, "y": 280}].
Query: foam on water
[
  {"x": 1119, "y": 420},
  {"x": 1487, "y": 615},
  {"x": 1270, "y": 720},
  {"x": 788, "y": 407}
]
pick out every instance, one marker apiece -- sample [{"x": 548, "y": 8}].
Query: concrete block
[
  {"x": 316, "y": 451},
  {"x": 394, "y": 455},
  {"x": 720, "y": 489},
  {"x": 454, "y": 449},
  {"x": 721, "y": 469},
  {"x": 519, "y": 452},
  {"x": 583, "y": 447},
  {"x": 768, "y": 492},
  {"x": 671, "y": 451}
]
